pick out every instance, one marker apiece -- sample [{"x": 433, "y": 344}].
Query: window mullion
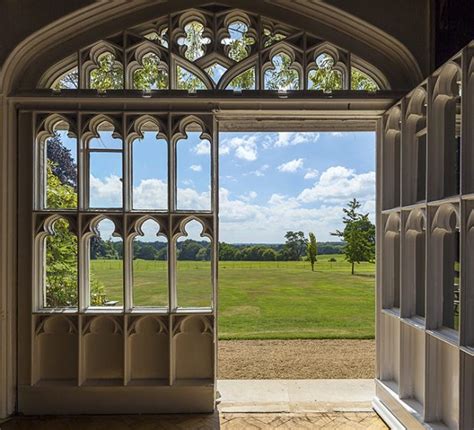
[{"x": 172, "y": 208}]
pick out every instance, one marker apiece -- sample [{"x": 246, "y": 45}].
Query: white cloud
[
  {"x": 189, "y": 198},
  {"x": 105, "y": 192},
  {"x": 291, "y": 166},
  {"x": 196, "y": 167},
  {"x": 338, "y": 184},
  {"x": 244, "y": 148},
  {"x": 203, "y": 148},
  {"x": 149, "y": 194},
  {"x": 248, "y": 222},
  {"x": 337, "y": 134},
  {"x": 285, "y": 138},
  {"x": 311, "y": 174},
  {"x": 260, "y": 171},
  {"x": 251, "y": 195}
]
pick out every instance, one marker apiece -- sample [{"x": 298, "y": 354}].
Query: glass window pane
[
  {"x": 150, "y": 267},
  {"x": 187, "y": 80},
  {"x": 61, "y": 171},
  {"x": 106, "y": 267},
  {"x": 244, "y": 81},
  {"x": 282, "y": 76},
  {"x": 193, "y": 271},
  {"x": 193, "y": 158},
  {"x": 105, "y": 180},
  {"x": 108, "y": 75},
  {"x": 152, "y": 75},
  {"x": 61, "y": 267},
  {"x": 106, "y": 139},
  {"x": 150, "y": 172},
  {"x": 67, "y": 81},
  {"x": 362, "y": 81},
  {"x": 195, "y": 41}
]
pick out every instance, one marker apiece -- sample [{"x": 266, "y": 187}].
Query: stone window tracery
[
  {"x": 204, "y": 49},
  {"x": 96, "y": 197}
]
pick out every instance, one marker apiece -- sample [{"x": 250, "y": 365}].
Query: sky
[
  {"x": 274, "y": 182},
  {"x": 269, "y": 182}
]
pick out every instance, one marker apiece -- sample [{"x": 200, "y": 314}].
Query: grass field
[{"x": 262, "y": 300}]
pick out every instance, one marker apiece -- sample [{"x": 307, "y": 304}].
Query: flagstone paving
[{"x": 221, "y": 421}]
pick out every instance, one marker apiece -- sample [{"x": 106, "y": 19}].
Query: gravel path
[{"x": 296, "y": 359}]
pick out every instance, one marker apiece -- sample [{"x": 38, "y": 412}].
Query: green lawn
[{"x": 263, "y": 300}]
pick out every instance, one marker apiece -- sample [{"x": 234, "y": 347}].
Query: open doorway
[{"x": 279, "y": 317}]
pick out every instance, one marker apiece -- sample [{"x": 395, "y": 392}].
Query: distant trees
[
  {"x": 295, "y": 245},
  {"x": 201, "y": 250},
  {"x": 358, "y": 235},
  {"x": 294, "y": 249},
  {"x": 312, "y": 250}
]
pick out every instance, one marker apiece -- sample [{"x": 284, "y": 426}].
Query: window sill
[
  {"x": 446, "y": 335},
  {"x": 468, "y": 350},
  {"x": 415, "y": 322},
  {"x": 392, "y": 312},
  {"x": 186, "y": 311},
  {"x": 47, "y": 311}
]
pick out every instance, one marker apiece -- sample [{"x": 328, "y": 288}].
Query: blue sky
[
  {"x": 274, "y": 182},
  {"x": 269, "y": 182}
]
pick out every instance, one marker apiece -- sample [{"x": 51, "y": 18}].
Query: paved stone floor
[
  {"x": 246, "y": 404},
  {"x": 223, "y": 421}
]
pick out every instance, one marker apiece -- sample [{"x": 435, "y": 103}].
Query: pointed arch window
[
  {"x": 323, "y": 75},
  {"x": 194, "y": 268},
  {"x": 209, "y": 48},
  {"x": 60, "y": 263},
  {"x": 282, "y": 74},
  {"x": 107, "y": 73},
  {"x": 150, "y": 266}
]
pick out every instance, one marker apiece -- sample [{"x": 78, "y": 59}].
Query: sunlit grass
[{"x": 263, "y": 300}]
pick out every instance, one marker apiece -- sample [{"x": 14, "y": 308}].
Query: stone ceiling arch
[{"x": 62, "y": 37}]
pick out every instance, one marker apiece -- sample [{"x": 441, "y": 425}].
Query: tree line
[{"x": 201, "y": 250}]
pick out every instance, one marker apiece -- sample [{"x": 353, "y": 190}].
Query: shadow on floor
[
  {"x": 115, "y": 422},
  {"x": 224, "y": 421}
]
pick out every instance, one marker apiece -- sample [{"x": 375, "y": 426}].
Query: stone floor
[
  {"x": 307, "y": 396},
  {"x": 246, "y": 404},
  {"x": 223, "y": 421}
]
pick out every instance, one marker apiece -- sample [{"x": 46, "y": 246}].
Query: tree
[
  {"x": 61, "y": 252},
  {"x": 204, "y": 254},
  {"x": 147, "y": 252},
  {"x": 150, "y": 76},
  {"x": 189, "y": 250},
  {"x": 324, "y": 77},
  {"x": 295, "y": 245},
  {"x": 227, "y": 252},
  {"x": 312, "y": 250},
  {"x": 269, "y": 254},
  {"x": 358, "y": 235},
  {"x": 361, "y": 81},
  {"x": 61, "y": 161},
  {"x": 162, "y": 254},
  {"x": 108, "y": 75}
]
